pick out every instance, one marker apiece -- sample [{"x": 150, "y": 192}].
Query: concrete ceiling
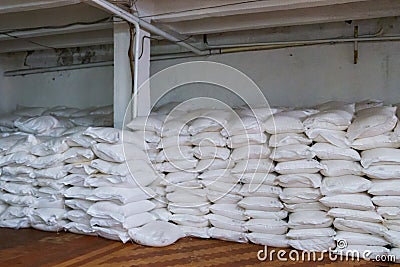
[{"x": 188, "y": 17}]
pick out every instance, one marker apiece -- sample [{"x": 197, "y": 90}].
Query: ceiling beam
[
  {"x": 244, "y": 8},
  {"x": 51, "y": 17},
  {"x": 10, "y": 6},
  {"x": 99, "y": 37},
  {"x": 341, "y": 12},
  {"x": 55, "y": 31}
]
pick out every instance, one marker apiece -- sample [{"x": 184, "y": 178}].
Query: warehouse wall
[
  {"x": 76, "y": 88},
  {"x": 304, "y": 76}
]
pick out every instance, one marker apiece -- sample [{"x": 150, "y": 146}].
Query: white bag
[
  {"x": 227, "y": 223},
  {"x": 292, "y": 152},
  {"x": 389, "y": 187},
  {"x": 352, "y": 238},
  {"x": 243, "y": 125},
  {"x": 340, "y": 168},
  {"x": 111, "y": 210},
  {"x": 360, "y": 226},
  {"x": 200, "y": 232},
  {"x": 386, "y": 201},
  {"x": 383, "y": 140},
  {"x": 389, "y": 213},
  {"x": 260, "y": 190},
  {"x": 285, "y": 139},
  {"x": 50, "y": 147},
  {"x": 300, "y": 180},
  {"x": 305, "y": 206},
  {"x": 346, "y": 184},
  {"x": 81, "y": 204},
  {"x": 214, "y": 164},
  {"x": 227, "y": 235},
  {"x": 52, "y": 173},
  {"x": 306, "y": 233},
  {"x": 380, "y": 156},
  {"x": 281, "y": 123},
  {"x": 292, "y": 195},
  {"x": 78, "y": 216},
  {"x": 299, "y": 166},
  {"x": 309, "y": 219},
  {"x": 328, "y": 151},
  {"x": 357, "y": 201},
  {"x": 257, "y": 178},
  {"x": 314, "y": 244},
  {"x": 253, "y": 166},
  {"x": 241, "y": 140},
  {"x": 189, "y": 220},
  {"x": 147, "y": 123},
  {"x": 383, "y": 172},
  {"x": 112, "y": 233},
  {"x": 78, "y": 228},
  {"x": 119, "y": 152},
  {"x": 179, "y": 140},
  {"x": 222, "y": 197},
  {"x": 121, "y": 195},
  {"x": 329, "y": 119},
  {"x": 36, "y": 125},
  {"x": 278, "y": 241},
  {"x": 250, "y": 152},
  {"x": 261, "y": 203},
  {"x": 78, "y": 192},
  {"x": 138, "y": 220},
  {"x": 209, "y": 152},
  {"x": 267, "y": 226},
  {"x": 360, "y": 215},
  {"x": 260, "y": 214},
  {"x": 229, "y": 210},
  {"x": 334, "y": 137},
  {"x": 372, "y": 122},
  {"x": 204, "y": 139}
]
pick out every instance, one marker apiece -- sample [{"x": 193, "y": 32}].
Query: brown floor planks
[{"x": 28, "y": 247}]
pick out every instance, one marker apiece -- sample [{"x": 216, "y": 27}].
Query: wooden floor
[{"x": 29, "y": 247}]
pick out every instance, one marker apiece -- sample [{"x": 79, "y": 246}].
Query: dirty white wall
[
  {"x": 304, "y": 76},
  {"x": 76, "y": 88}
]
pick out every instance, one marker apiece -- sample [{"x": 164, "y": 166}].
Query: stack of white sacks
[
  {"x": 121, "y": 190},
  {"x": 260, "y": 204},
  {"x": 327, "y": 129},
  {"x": 211, "y": 173},
  {"x": 223, "y": 178},
  {"x": 213, "y": 169},
  {"x": 145, "y": 132},
  {"x": 17, "y": 189},
  {"x": 183, "y": 194},
  {"x": 299, "y": 178},
  {"x": 33, "y": 168},
  {"x": 372, "y": 133}
]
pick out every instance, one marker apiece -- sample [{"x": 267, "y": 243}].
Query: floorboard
[{"x": 28, "y": 247}]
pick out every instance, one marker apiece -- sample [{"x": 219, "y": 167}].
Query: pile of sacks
[
  {"x": 327, "y": 130},
  {"x": 23, "y": 118},
  {"x": 372, "y": 132},
  {"x": 86, "y": 181},
  {"x": 301, "y": 178}
]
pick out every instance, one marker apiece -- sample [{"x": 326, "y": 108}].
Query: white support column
[
  {"x": 122, "y": 74},
  {"x": 144, "y": 74}
]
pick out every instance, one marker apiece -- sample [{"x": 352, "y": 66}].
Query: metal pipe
[
  {"x": 127, "y": 16},
  {"x": 307, "y": 42},
  {"x": 233, "y": 48},
  {"x": 136, "y": 71},
  {"x": 149, "y": 27},
  {"x": 22, "y": 72}
]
